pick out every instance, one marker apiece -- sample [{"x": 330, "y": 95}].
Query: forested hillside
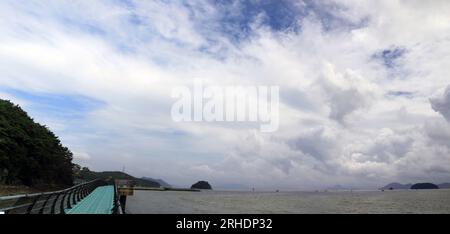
[{"x": 30, "y": 154}]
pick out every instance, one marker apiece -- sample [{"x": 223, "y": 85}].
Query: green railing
[{"x": 54, "y": 202}]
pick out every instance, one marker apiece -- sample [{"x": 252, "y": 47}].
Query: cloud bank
[
  {"x": 361, "y": 86},
  {"x": 442, "y": 104}
]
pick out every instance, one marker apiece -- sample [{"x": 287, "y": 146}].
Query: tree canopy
[{"x": 30, "y": 154}]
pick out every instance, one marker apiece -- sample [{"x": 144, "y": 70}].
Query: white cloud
[
  {"x": 337, "y": 125},
  {"x": 345, "y": 93},
  {"x": 81, "y": 156},
  {"x": 442, "y": 104}
]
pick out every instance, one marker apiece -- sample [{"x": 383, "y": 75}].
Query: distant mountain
[
  {"x": 418, "y": 186},
  {"x": 393, "y": 186},
  {"x": 159, "y": 181},
  {"x": 444, "y": 186},
  {"x": 87, "y": 175},
  {"x": 424, "y": 186}
]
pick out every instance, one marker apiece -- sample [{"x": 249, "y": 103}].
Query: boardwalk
[
  {"x": 100, "y": 201},
  {"x": 94, "y": 197}
]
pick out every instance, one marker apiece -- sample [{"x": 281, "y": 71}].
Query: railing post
[
  {"x": 61, "y": 205},
  {"x": 88, "y": 189},
  {"x": 69, "y": 206},
  {"x": 114, "y": 209},
  {"x": 41, "y": 211},
  {"x": 30, "y": 208},
  {"x": 54, "y": 203},
  {"x": 74, "y": 196},
  {"x": 85, "y": 190},
  {"x": 80, "y": 192}
]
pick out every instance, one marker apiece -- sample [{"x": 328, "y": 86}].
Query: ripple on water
[{"x": 407, "y": 201}]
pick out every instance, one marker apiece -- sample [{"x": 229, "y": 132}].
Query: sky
[{"x": 364, "y": 87}]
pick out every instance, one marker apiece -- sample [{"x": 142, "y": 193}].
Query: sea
[{"x": 290, "y": 202}]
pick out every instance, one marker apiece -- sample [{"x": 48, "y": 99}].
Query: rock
[
  {"x": 201, "y": 185},
  {"x": 424, "y": 186}
]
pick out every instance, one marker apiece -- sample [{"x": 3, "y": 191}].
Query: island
[
  {"x": 424, "y": 186},
  {"x": 201, "y": 185}
]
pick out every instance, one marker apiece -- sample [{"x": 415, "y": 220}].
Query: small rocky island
[
  {"x": 201, "y": 185},
  {"x": 424, "y": 186}
]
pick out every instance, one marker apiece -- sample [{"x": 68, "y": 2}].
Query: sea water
[{"x": 235, "y": 202}]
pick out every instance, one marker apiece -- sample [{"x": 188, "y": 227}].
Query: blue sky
[
  {"x": 363, "y": 87},
  {"x": 64, "y": 107}
]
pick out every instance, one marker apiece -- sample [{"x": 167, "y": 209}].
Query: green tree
[{"x": 30, "y": 154}]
